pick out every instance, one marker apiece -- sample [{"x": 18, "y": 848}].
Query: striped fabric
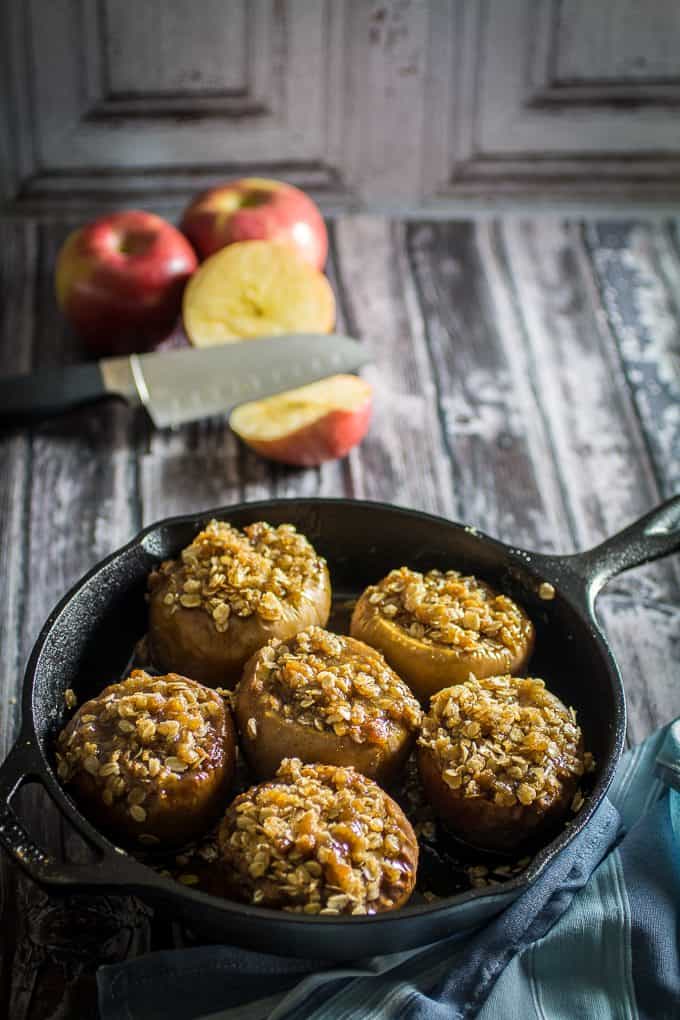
[{"x": 597, "y": 937}]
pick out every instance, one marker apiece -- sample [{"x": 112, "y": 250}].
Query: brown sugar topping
[
  {"x": 506, "y": 739},
  {"x": 449, "y": 609},
  {"x": 319, "y": 840},
  {"x": 330, "y": 682},
  {"x": 226, "y": 571},
  {"x": 143, "y": 731}
]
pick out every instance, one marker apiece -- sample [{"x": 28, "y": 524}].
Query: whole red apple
[
  {"x": 256, "y": 209},
  {"x": 120, "y": 280}
]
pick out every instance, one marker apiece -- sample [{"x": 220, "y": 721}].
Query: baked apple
[
  {"x": 309, "y": 425},
  {"x": 150, "y": 759},
  {"x": 254, "y": 208},
  {"x": 256, "y": 288},
  {"x": 500, "y": 759},
  {"x": 318, "y": 839},
  {"x": 229, "y": 593},
  {"x": 326, "y": 698},
  {"x": 436, "y": 628}
]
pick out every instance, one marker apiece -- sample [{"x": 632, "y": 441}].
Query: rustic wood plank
[
  {"x": 187, "y": 469},
  {"x": 18, "y": 246},
  {"x": 611, "y": 42},
  {"x": 81, "y": 502},
  {"x": 79, "y": 507},
  {"x": 505, "y": 361},
  {"x": 644, "y": 640},
  {"x": 403, "y": 459},
  {"x": 637, "y": 269},
  {"x": 385, "y": 54},
  {"x": 166, "y": 50},
  {"x": 608, "y": 478},
  {"x": 504, "y": 476}
]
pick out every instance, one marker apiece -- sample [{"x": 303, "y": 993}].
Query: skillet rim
[{"x": 572, "y": 587}]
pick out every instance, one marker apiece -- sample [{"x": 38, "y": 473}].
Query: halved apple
[
  {"x": 256, "y": 288},
  {"x": 309, "y": 425}
]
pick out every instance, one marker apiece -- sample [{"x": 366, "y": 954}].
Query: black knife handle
[{"x": 29, "y": 398}]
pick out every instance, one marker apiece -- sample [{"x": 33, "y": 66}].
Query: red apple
[
  {"x": 308, "y": 425},
  {"x": 256, "y": 209},
  {"x": 120, "y": 280}
]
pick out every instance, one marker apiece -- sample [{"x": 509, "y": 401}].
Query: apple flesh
[
  {"x": 256, "y": 288},
  {"x": 256, "y": 209},
  {"x": 309, "y": 425},
  {"x": 120, "y": 279}
]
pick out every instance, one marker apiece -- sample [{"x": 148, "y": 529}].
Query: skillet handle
[
  {"x": 110, "y": 869},
  {"x": 16, "y": 770},
  {"x": 655, "y": 535}
]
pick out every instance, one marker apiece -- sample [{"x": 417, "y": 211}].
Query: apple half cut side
[
  {"x": 309, "y": 425},
  {"x": 256, "y": 288}
]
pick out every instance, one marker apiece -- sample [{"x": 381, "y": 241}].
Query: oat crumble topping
[
  {"x": 506, "y": 739},
  {"x": 330, "y": 682},
  {"x": 319, "y": 840},
  {"x": 143, "y": 731},
  {"x": 226, "y": 571},
  {"x": 449, "y": 609}
]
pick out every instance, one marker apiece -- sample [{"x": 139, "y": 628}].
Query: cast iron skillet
[{"x": 86, "y": 644}]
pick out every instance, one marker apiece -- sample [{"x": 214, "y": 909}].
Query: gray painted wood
[
  {"x": 166, "y": 50},
  {"x": 368, "y": 104},
  {"x": 638, "y": 274},
  {"x": 616, "y": 41},
  {"x": 599, "y": 439},
  {"x": 68, "y": 504},
  {"x": 404, "y": 459},
  {"x": 526, "y": 375}
]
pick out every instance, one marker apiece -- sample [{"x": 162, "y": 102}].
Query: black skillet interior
[
  {"x": 92, "y": 642},
  {"x": 88, "y": 640}
]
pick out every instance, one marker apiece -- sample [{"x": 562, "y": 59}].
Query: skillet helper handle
[
  {"x": 655, "y": 535},
  {"x": 26, "y": 399},
  {"x": 14, "y": 772},
  {"x": 105, "y": 872}
]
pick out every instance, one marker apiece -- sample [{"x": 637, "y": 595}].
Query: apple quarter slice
[{"x": 309, "y": 425}]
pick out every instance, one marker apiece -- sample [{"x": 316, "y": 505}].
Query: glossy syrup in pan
[
  {"x": 87, "y": 641},
  {"x": 447, "y": 866},
  {"x": 86, "y": 644}
]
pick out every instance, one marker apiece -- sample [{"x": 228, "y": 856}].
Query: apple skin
[
  {"x": 120, "y": 280},
  {"x": 256, "y": 209},
  {"x": 327, "y": 438}
]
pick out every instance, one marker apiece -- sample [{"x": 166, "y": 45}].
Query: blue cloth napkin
[{"x": 597, "y": 937}]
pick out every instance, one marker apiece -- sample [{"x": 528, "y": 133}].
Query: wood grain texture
[
  {"x": 69, "y": 486},
  {"x": 167, "y": 50},
  {"x": 610, "y": 42},
  {"x": 638, "y": 276},
  {"x": 527, "y": 382},
  {"x": 377, "y": 104},
  {"x": 404, "y": 459},
  {"x": 608, "y": 477}
]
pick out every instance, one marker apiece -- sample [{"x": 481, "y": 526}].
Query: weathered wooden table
[{"x": 528, "y": 382}]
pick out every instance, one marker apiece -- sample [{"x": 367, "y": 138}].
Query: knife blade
[{"x": 181, "y": 386}]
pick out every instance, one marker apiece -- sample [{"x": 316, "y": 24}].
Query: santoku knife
[{"x": 181, "y": 386}]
